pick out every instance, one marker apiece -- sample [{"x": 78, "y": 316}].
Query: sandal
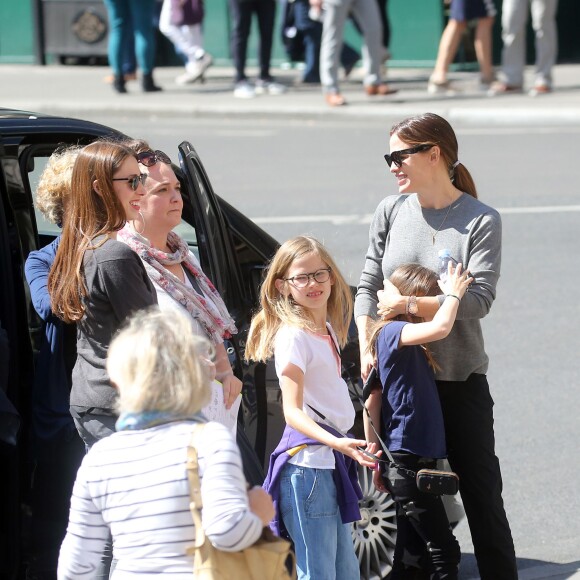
[{"x": 335, "y": 99}]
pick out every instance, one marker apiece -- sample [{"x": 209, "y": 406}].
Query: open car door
[{"x": 217, "y": 257}]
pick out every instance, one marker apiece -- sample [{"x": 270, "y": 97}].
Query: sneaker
[
  {"x": 501, "y": 88},
  {"x": 440, "y": 88},
  {"x": 486, "y": 84},
  {"x": 270, "y": 87},
  {"x": 194, "y": 70},
  {"x": 540, "y": 90},
  {"x": 244, "y": 90}
]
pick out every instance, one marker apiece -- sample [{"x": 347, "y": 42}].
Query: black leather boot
[
  {"x": 148, "y": 85},
  {"x": 119, "y": 84}
]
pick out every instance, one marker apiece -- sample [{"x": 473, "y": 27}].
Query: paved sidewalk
[{"x": 79, "y": 90}]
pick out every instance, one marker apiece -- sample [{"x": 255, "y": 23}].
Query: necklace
[{"x": 435, "y": 232}]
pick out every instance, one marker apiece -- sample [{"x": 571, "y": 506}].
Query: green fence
[
  {"x": 16, "y": 32},
  {"x": 416, "y": 27}
]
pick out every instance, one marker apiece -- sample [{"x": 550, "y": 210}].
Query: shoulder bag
[{"x": 270, "y": 558}]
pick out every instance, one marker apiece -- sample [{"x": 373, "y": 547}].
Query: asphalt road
[{"x": 326, "y": 178}]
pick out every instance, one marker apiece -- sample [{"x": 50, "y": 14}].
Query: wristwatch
[{"x": 412, "y": 307}]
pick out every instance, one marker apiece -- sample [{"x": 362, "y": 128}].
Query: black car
[{"x": 233, "y": 252}]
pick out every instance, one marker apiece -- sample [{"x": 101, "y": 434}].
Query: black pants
[
  {"x": 242, "y": 11},
  {"x": 424, "y": 536},
  {"x": 468, "y": 414},
  {"x": 56, "y": 462}
]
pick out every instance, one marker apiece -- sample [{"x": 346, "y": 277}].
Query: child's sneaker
[{"x": 195, "y": 70}]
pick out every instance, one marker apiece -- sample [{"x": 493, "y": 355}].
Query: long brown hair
[
  {"x": 430, "y": 128},
  {"x": 410, "y": 280},
  {"x": 277, "y": 309},
  {"x": 89, "y": 214}
]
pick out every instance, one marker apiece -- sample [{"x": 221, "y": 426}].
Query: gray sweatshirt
[
  {"x": 117, "y": 285},
  {"x": 472, "y": 231}
]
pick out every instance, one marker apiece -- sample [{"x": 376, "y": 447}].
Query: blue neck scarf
[{"x": 146, "y": 419}]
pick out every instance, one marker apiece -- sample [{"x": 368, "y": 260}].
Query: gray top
[
  {"x": 117, "y": 285},
  {"x": 472, "y": 232}
]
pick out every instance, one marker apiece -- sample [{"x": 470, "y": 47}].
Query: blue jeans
[
  {"x": 139, "y": 14},
  {"x": 309, "y": 509}
]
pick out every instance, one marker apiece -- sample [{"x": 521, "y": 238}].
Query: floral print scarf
[{"x": 207, "y": 308}]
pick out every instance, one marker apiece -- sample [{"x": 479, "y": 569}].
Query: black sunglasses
[
  {"x": 150, "y": 158},
  {"x": 397, "y": 157},
  {"x": 133, "y": 181}
]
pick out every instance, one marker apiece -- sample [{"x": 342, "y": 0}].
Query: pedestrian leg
[{"x": 544, "y": 24}]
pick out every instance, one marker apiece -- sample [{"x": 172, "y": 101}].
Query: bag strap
[{"x": 196, "y": 503}]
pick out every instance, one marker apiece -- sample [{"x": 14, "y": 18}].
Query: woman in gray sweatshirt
[{"x": 438, "y": 209}]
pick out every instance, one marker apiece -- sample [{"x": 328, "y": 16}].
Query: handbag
[
  {"x": 270, "y": 558},
  {"x": 437, "y": 482}
]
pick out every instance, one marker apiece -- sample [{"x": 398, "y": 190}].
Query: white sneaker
[
  {"x": 244, "y": 90},
  {"x": 444, "y": 88},
  {"x": 270, "y": 87},
  {"x": 194, "y": 70}
]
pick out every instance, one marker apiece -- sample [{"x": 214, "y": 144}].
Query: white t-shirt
[{"x": 324, "y": 388}]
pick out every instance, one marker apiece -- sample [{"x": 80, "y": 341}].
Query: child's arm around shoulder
[
  {"x": 292, "y": 385},
  {"x": 442, "y": 323}
]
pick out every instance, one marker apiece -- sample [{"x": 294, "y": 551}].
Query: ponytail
[{"x": 463, "y": 180}]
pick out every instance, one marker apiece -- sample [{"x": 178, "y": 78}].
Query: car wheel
[{"x": 375, "y": 533}]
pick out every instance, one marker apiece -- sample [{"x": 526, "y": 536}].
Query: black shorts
[{"x": 463, "y": 10}]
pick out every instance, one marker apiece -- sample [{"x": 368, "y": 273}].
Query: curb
[{"x": 473, "y": 116}]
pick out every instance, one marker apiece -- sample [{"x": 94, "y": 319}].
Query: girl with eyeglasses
[
  {"x": 438, "y": 209},
  {"x": 305, "y": 312},
  {"x": 97, "y": 282},
  {"x": 172, "y": 267}
]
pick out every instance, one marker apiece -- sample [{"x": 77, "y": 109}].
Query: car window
[{"x": 46, "y": 228}]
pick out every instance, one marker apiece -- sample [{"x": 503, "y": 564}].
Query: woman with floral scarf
[{"x": 174, "y": 270}]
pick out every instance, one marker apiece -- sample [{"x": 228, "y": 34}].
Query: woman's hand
[
  {"x": 261, "y": 504},
  {"x": 232, "y": 388},
  {"x": 391, "y": 303},
  {"x": 349, "y": 447},
  {"x": 457, "y": 281}
]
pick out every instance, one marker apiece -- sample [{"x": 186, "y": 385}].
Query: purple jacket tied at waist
[{"x": 348, "y": 491}]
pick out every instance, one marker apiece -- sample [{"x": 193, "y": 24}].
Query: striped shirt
[{"x": 134, "y": 485}]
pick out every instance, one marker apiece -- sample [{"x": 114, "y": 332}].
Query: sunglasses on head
[
  {"x": 150, "y": 158},
  {"x": 397, "y": 157},
  {"x": 133, "y": 181}
]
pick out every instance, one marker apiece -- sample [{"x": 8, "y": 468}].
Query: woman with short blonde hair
[
  {"x": 134, "y": 484},
  {"x": 151, "y": 364}
]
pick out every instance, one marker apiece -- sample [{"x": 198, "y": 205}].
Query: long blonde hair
[
  {"x": 410, "y": 280},
  {"x": 277, "y": 309}
]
